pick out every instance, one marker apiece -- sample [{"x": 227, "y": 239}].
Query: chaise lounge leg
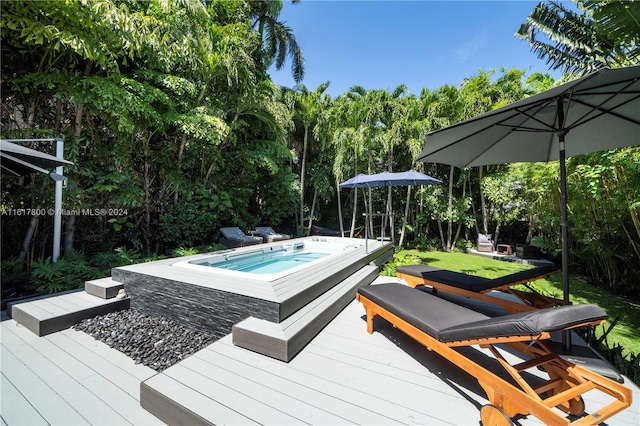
[{"x": 370, "y": 316}]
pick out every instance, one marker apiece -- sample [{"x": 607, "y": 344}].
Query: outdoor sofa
[{"x": 484, "y": 243}]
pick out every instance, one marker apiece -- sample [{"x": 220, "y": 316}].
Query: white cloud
[{"x": 471, "y": 47}]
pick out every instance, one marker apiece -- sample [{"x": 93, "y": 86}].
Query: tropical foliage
[
  {"x": 173, "y": 123},
  {"x": 600, "y": 33}
]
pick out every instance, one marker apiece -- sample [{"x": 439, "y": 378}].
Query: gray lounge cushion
[
  {"x": 447, "y": 322},
  {"x": 267, "y": 232},
  {"x": 234, "y": 233},
  {"x": 472, "y": 282},
  {"x": 428, "y": 313}
]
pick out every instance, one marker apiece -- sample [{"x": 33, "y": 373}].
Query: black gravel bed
[{"x": 154, "y": 341}]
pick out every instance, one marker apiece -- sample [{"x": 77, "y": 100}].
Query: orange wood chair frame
[
  {"x": 566, "y": 383},
  {"x": 531, "y": 300}
]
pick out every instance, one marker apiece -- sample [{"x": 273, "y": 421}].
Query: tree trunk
[
  {"x": 31, "y": 229},
  {"x": 473, "y": 208},
  {"x": 483, "y": 207},
  {"x": 441, "y": 235},
  {"x": 147, "y": 197},
  {"x": 495, "y": 237},
  {"x": 69, "y": 234},
  {"x": 302, "y": 173},
  {"x": 70, "y": 225},
  {"x": 450, "y": 210},
  {"x": 369, "y": 210},
  {"x": 183, "y": 143},
  {"x": 355, "y": 207},
  {"x": 459, "y": 227},
  {"x": 339, "y": 207},
  {"x": 530, "y": 231},
  {"x": 406, "y": 215},
  {"x": 313, "y": 208}
]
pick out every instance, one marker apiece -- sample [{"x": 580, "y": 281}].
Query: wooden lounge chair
[
  {"x": 477, "y": 287},
  {"x": 269, "y": 235},
  {"x": 234, "y": 237},
  {"x": 442, "y": 326},
  {"x": 318, "y": 230}
]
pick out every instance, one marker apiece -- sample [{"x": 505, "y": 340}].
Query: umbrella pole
[{"x": 566, "y": 334}]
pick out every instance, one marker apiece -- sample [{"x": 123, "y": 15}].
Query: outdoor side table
[{"x": 504, "y": 248}]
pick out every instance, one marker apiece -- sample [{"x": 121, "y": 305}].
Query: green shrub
[
  {"x": 463, "y": 244},
  {"x": 186, "y": 225},
  {"x": 12, "y": 271},
  {"x": 182, "y": 251},
  {"x": 426, "y": 244},
  {"x": 400, "y": 259},
  {"x": 69, "y": 272}
]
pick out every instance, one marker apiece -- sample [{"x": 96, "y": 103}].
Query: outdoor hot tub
[
  {"x": 271, "y": 262},
  {"x": 212, "y": 292}
]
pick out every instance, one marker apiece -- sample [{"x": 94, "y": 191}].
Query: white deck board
[
  {"x": 383, "y": 378},
  {"x": 355, "y": 405},
  {"x": 291, "y": 394},
  {"x": 21, "y": 412},
  {"x": 343, "y": 376},
  {"x": 50, "y": 307},
  {"x": 63, "y": 382},
  {"x": 196, "y": 401},
  {"x": 209, "y": 379},
  {"x": 37, "y": 391},
  {"x": 82, "y": 343}
]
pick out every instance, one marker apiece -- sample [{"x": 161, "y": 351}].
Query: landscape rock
[{"x": 156, "y": 342}]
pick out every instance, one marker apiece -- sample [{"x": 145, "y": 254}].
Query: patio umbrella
[
  {"x": 20, "y": 160},
  {"x": 596, "y": 112},
  {"x": 408, "y": 178}
]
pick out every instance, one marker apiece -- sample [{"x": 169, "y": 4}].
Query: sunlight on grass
[{"x": 626, "y": 332}]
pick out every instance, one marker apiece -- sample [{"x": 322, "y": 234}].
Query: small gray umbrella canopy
[
  {"x": 596, "y": 112},
  {"x": 19, "y": 160},
  {"x": 408, "y": 178},
  {"x": 361, "y": 181}
]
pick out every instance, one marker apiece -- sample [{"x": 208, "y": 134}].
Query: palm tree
[
  {"x": 307, "y": 107},
  {"x": 604, "y": 33},
  {"x": 345, "y": 124},
  {"x": 277, "y": 39}
]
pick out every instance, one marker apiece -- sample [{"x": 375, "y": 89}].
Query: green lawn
[{"x": 626, "y": 332}]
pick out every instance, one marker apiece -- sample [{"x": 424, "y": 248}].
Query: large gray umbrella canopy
[
  {"x": 597, "y": 112},
  {"x": 19, "y": 160}
]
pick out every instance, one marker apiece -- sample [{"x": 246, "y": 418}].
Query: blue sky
[{"x": 382, "y": 44}]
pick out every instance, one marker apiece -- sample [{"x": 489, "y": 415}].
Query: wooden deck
[
  {"x": 48, "y": 314},
  {"x": 343, "y": 376},
  {"x": 67, "y": 378}
]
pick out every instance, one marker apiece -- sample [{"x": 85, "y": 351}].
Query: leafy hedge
[{"x": 71, "y": 271}]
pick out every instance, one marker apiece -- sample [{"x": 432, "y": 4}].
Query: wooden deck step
[
  {"x": 104, "y": 288},
  {"x": 48, "y": 314},
  {"x": 285, "y": 339}
]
